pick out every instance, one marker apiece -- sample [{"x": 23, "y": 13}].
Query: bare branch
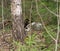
[
  {"x": 56, "y": 43},
  {"x": 2, "y": 16},
  {"x": 49, "y": 9},
  {"x": 43, "y": 22}
]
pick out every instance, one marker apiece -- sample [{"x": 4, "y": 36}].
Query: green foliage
[
  {"x": 30, "y": 40},
  {"x": 6, "y": 12},
  {"x": 31, "y": 44},
  {"x": 47, "y": 17}
]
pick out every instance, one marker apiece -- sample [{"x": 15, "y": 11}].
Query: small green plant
[
  {"x": 19, "y": 46},
  {"x": 30, "y": 40},
  {"x": 31, "y": 44}
]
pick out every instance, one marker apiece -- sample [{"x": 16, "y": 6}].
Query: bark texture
[{"x": 18, "y": 25}]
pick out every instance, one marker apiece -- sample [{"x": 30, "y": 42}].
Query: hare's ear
[{"x": 26, "y": 22}]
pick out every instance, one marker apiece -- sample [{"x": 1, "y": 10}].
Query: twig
[
  {"x": 2, "y": 17},
  {"x": 43, "y": 22},
  {"x": 49, "y": 9},
  {"x": 56, "y": 43}
]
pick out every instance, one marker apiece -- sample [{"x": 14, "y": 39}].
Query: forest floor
[{"x": 6, "y": 39}]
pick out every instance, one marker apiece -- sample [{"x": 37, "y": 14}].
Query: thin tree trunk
[
  {"x": 18, "y": 26},
  {"x": 59, "y": 14}
]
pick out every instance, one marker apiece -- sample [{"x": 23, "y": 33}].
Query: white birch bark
[{"x": 18, "y": 26}]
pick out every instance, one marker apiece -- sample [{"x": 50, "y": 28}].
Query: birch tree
[{"x": 17, "y": 20}]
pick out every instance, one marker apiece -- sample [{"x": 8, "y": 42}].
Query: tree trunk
[
  {"x": 59, "y": 14},
  {"x": 18, "y": 25}
]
